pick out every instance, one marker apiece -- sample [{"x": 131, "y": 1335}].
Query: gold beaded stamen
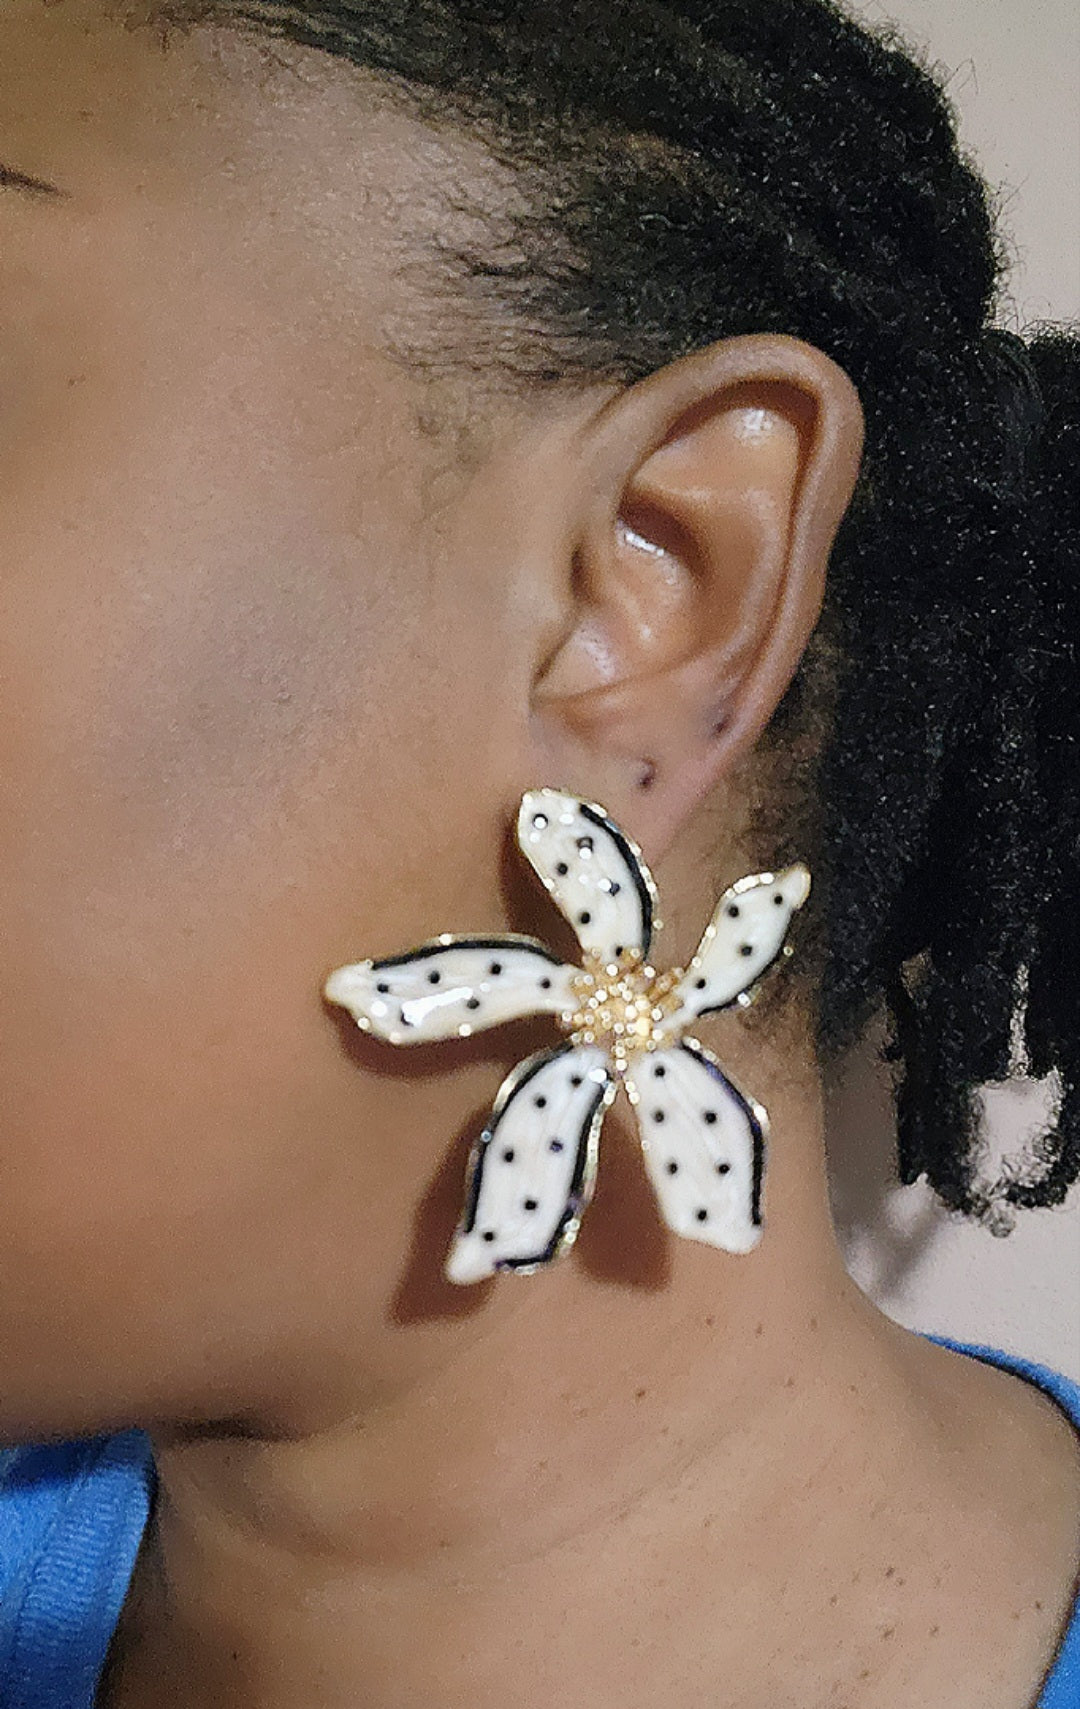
[{"x": 622, "y": 1005}]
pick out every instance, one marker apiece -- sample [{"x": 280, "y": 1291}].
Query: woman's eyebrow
[{"x": 14, "y": 180}]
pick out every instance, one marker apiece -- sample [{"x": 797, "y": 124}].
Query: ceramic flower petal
[
  {"x": 595, "y": 874},
  {"x": 744, "y": 937},
  {"x": 703, "y": 1143},
  {"x": 452, "y": 986},
  {"x": 533, "y": 1169}
]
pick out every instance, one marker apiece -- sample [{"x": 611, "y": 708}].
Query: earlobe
[{"x": 717, "y": 488}]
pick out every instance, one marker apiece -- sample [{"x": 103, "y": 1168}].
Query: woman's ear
[{"x": 712, "y": 493}]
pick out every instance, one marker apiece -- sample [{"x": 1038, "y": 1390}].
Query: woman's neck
[{"x": 569, "y": 1487}]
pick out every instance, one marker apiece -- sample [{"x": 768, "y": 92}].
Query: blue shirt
[{"x": 72, "y": 1515}]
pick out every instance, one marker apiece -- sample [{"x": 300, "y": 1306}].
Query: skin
[{"x": 274, "y": 673}]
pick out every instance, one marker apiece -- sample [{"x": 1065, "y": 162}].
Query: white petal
[
  {"x": 533, "y": 1169},
  {"x": 742, "y": 940},
  {"x": 594, "y": 872},
  {"x": 451, "y": 987},
  {"x": 704, "y": 1145}
]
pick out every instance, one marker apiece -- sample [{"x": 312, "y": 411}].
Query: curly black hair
[{"x": 693, "y": 170}]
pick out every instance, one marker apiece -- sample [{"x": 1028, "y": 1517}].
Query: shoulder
[
  {"x": 1031, "y": 1429},
  {"x": 1061, "y": 1388}
]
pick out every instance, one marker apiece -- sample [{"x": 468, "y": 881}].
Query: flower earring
[{"x": 532, "y": 1171}]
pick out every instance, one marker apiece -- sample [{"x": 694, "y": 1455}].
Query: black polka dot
[
  {"x": 575, "y": 1079},
  {"x": 383, "y": 988},
  {"x": 556, "y": 1145},
  {"x": 658, "y": 1115},
  {"x": 434, "y": 977},
  {"x": 583, "y": 919},
  {"x": 540, "y": 820},
  {"x": 495, "y": 969},
  {"x": 531, "y": 1204},
  {"x": 672, "y": 1166},
  {"x": 659, "y": 1071},
  {"x": 545, "y": 983},
  {"x": 585, "y": 843},
  {"x": 700, "y": 984},
  {"x": 710, "y": 1116},
  {"x": 473, "y": 1003},
  {"x": 702, "y": 1215},
  {"x": 723, "y": 1168},
  {"x": 614, "y": 887},
  {"x": 733, "y": 910},
  {"x": 778, "y": 899},
  {"x": 562, "y": 869},
  {"x": 618, "y": 949},
  {"x": 540, "y": 1101},
  {"x": 489, "y": 1234},
  {"x": 508, "y": 1154},
  {"x": 746, "y": 949}
]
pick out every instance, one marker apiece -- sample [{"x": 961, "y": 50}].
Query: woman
[{"x": 409, "y": 407}]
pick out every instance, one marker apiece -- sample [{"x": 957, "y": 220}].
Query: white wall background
[{"x": 1014, "y": 75}]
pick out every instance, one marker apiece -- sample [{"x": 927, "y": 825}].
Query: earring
[{"x": 532, "y": 1171}]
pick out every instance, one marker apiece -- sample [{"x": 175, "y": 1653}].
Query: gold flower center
[{"x": 622, "y": 1005}]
